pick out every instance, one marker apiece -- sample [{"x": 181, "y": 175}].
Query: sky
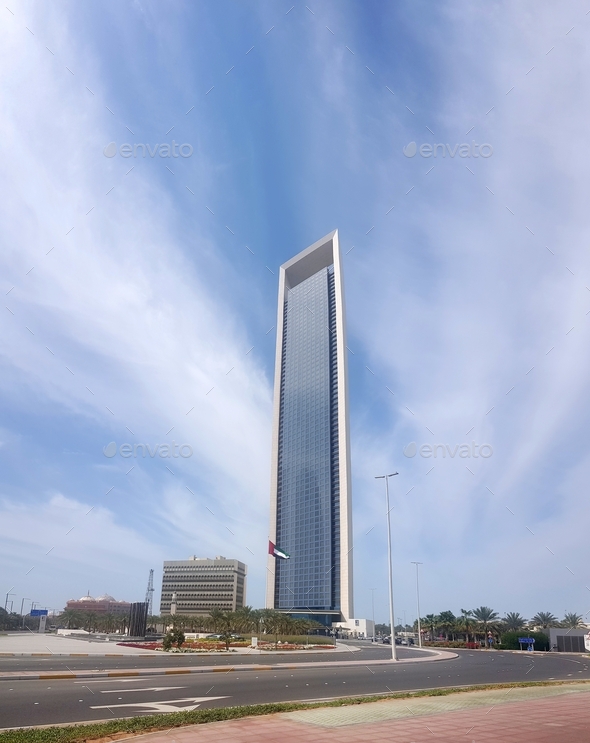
[{"x": 140, "y": 287}]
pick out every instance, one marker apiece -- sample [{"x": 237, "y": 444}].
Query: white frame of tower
[{"x": 321, "y": 254}]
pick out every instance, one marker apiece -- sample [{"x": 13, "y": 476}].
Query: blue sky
[{"x": 139, "y": 289}]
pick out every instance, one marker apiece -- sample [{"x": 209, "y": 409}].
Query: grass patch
[{"x": 153, "y": 723}]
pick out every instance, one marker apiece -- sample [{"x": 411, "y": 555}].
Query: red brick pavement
[{"x": 563, "y": 719}]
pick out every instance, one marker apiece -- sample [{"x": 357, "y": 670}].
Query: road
[
  {"x": 39, "y": 702},
  {"x": 370, "y": 651}
]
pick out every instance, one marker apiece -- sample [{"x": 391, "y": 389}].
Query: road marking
[
  {"x": 168, "y": 706},
  {"x": 150, "y": 688},
  {"x": 112, "y": 681}
]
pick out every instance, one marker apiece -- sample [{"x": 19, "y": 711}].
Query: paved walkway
[
  {"x": 551, "y": 714},
  {"x": 31, "y": 644}
]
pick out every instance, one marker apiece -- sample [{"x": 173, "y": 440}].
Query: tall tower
[{"x": 310, "y": 503}]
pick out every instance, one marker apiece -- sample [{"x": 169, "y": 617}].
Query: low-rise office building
[
  {"x": 358, "y": 628},
  {"x": 202, "y": 584}
]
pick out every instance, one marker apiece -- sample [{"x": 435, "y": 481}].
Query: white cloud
[
  {"x": 60, "y": 545},
  {"x": 133, "y": 305}
]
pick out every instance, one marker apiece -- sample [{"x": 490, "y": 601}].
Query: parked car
[
  {"x": 213, "y": 637},
  {"x": 387, "y": 640}
]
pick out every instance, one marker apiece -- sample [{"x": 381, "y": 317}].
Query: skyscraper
[{"x": 310, "y": 513}]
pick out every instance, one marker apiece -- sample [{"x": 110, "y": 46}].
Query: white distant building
[
  {"x": 201, "y": 584},
  {"x": 361, "y": 628}
]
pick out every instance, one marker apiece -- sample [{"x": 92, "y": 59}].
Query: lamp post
[
  {"x": 391, "y": 614},
  {"x": 418, "y": 602},
  {"x": 373, "y": 609},
  {"x": 21, "y": 610}
]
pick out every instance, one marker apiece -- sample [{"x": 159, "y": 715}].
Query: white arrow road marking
[
  {"x": 150, "y": 688},
  {"x": 164, "y": 706},
  {"x": 110, "y": 681}
]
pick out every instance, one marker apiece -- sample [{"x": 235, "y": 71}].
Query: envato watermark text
[
  {"x": 162, "y": 450},
  {"x": 464, "y": 150},
  {"x": 163, "y": 150},
  {"x": 463, "y": 450}
]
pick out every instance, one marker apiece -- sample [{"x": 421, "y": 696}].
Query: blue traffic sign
[{"x": 39, "y": 612}]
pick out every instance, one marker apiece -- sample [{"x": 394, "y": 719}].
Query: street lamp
[
  {"x": 391, "y": 615},
  {"x": 21, "y": 610},
  {"x": 373, "y": 609},
  {"x": 418, "y": 602}
]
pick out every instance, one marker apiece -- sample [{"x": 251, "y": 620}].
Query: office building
[
  {"x": 202, "y": 584},
  {"x": 310, "y": 572}
]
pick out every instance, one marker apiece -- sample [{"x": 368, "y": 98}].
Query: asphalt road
[
  {"x": 370, "y": 651},
  {"x": 25, "y": 703}
]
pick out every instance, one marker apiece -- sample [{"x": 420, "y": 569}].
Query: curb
[
  {"x": 77, "y": 655},
  {"x": 31, "y": 676}
]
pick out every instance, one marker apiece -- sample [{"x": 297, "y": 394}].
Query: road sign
[
  {"x": 39, "y": 612},
  {"x": 527, "y": 640}
]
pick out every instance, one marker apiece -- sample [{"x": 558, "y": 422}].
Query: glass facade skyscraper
[{"x": 310, "y": 497}]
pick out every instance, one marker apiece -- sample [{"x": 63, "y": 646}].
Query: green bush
[
  {"x": 174, "y": 637},
  {"x": 509, "y": 640}
]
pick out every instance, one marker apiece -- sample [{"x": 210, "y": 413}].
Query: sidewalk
[
  {"x": 554, "y": 714},
  {"x": 34, "y": 645}
]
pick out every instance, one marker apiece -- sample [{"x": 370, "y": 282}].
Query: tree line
[
  {"x": 245, "y": 620},
  {"x": 474, "y": 624}
]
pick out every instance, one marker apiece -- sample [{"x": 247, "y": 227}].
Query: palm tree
[
  {"x": 513, "y": 621},
  {"x": 487, "y": 618},
  {"x": 466, "y": 622},
  {"x": 245, "y": 619},
  {"x": 572, "y": 620},
  {"x": 216, "y": 617},
  {"x": 430, "y": 621},
  {"x": 257, "y": 618},
  {"x": 227, "y": 624},
  {"x": 544, "y": 619},
  {"x": 446, "y": 622},
  {"x": 71, "y": 618}
]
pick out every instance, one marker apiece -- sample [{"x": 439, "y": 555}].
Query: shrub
[
  {"x": 173, "y": 637},
  {"x": 509, "y": 640}
]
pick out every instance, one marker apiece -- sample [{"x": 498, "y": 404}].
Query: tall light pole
[
  {"x": 418, "y": 602},
  {"x": 21, "y": 610},
  {"x": 373, "y": 609},
  {"x": 8, "y": 595},
  {"x": 391, "y": 614}
]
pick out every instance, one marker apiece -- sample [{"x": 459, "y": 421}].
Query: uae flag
[{"x": 277, "y": 551}]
